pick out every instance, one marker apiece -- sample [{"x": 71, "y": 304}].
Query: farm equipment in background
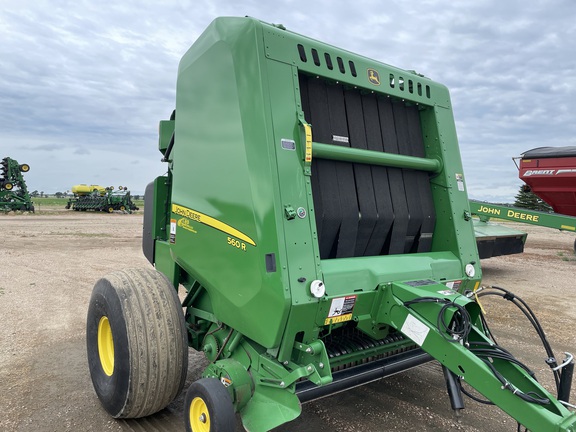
[
  {"x": 315, "y": 213},
  {"x": 13, "y": 191},
  {"x": 550, "y": 173},
  {"x": 86, "y": 190},
  {"x": 494, "y": 239},
  {"x": 485, "y": 211},
  {"x": 99, "y": 198}
]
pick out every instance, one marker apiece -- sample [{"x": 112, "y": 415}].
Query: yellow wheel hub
[
  {"x": 199, "y": 416},
  {"x": 106, "y": 346}
]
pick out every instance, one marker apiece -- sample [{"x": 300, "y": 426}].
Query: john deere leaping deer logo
[{"x": 373, "y": 76}]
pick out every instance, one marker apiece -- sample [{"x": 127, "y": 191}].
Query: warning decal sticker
[
  {"x": 341, "y": 310},
  {"x": 460, "y": 182},
  {"x": 455, "y": 285},
  {"x": 172, "y": 231}
]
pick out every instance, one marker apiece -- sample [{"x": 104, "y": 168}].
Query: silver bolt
[
  {"x": 282, "y": 384},
  {"x": 309, "y": 368},
  {"x": 321, "y": 365},
  {"x": 308, "y": 350},
  {"x": 285, "y": 363},
  {"x": 203, "y": 418}
]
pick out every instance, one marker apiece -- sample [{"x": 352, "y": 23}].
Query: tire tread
[{"x": 157, "y": 340}]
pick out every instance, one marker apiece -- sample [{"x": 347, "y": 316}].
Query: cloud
[
  {"x": 87, "y": 84},
  {"x": 81, "y": 151}
]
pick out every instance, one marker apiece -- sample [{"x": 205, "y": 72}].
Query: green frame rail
[
  {"x": 347, "y": 154},
  {"x": 485, "y": 211}
]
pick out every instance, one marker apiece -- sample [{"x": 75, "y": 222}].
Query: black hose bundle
[
  {"x": 458, "y": 329},
  {"x": 523, "y": 306},
  {"x": 459, "y": 326}
]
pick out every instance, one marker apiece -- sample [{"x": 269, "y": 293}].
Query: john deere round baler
[{"x": 315, "y": 216}]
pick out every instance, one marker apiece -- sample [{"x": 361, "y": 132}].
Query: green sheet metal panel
[{"x": 224, "y": 194}]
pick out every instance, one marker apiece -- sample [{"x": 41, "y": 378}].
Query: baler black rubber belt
[
  {"x": 325, "y": 172},
  {"x": 371, "y": 181},
  {"x": 346, "y": 185},
  {"x": 398, "y": 191},
  {"x": 416, "y": 144},
  {"x": 415, "y": 213}
]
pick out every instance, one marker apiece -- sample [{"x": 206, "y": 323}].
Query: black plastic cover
[
  {"x": 550, "y": 152},
  {"x": 147, "y": 235}
]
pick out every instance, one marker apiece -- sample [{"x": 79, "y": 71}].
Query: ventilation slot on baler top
[{"x": 364, "y": 209}]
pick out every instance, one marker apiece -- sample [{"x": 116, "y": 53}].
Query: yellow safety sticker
[
  {"x": 308, "y": 133},
  {"x": 338, "y": 319}
]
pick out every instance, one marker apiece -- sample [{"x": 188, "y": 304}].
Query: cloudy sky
[{"x": 83, "y": 84}]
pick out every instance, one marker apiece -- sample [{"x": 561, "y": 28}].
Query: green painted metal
[
  {"x": 14, "y": 194},
  {"x": 486, "y": 211},
  {"x": 326, "y": 151},
  {"x": 234, "y": 223},
  {"x": 486, "y": 229},
  {"x": 422, "y": 318}
]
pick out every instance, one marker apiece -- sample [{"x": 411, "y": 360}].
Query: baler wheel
[
  {"x": 209, "y": 407},
  {"x": 136, "y": 342},
  {"x": 110, "y": 209},
  {"x": 122, "y": 208},
  {"x": 8, "y": 186},
  {"x": 24, "y": 167}
]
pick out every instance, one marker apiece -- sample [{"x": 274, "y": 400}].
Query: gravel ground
[{"x": 51, "y": 261}]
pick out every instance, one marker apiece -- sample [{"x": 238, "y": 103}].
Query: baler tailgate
[{"x": 367, "y": 210}]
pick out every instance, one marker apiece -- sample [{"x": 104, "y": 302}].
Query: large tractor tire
[
  {"x": 137, "y": 342},
  {"x": 208, "y": 407}
]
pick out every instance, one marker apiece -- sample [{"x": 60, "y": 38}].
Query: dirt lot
[{"x": 49, "y": 263}]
